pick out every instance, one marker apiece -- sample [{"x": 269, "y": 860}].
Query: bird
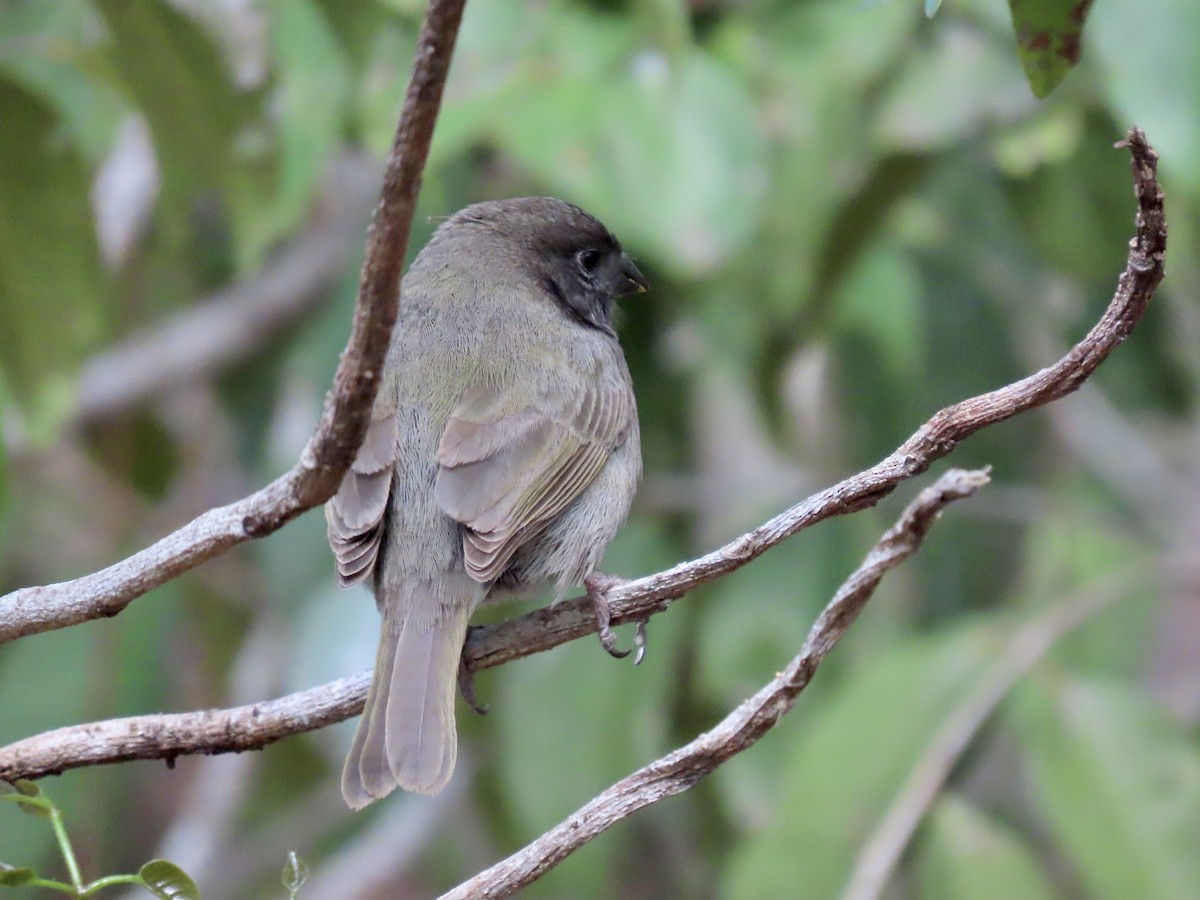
[{"x": 502, "y": 456}]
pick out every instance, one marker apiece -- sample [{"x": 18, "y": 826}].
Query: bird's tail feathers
[{"x": 407, "y": 736}]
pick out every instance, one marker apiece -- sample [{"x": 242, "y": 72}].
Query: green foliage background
[{"x": 851, "y": 215}]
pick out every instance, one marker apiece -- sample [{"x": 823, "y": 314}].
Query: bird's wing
[
  {"x": 354, "y": 516},
  {"x": 504, "y": 474}
]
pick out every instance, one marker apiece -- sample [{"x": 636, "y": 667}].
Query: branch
[
  {"x": 682, "y": 768},
  {"x": 254, "y": 726},
  {"x": 331, "y": 449},
  {"x": 636, "y": 600}
]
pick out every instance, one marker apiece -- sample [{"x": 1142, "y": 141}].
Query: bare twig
[
  {"x": 247, "y": 727},
  {"x": 1025, "y": 649},
  {"x": 347, "y": 406},
  {"x": 217, "y": 331},
  {"x": 682, "y": 768},
  {"x": 635, "y": 600}
]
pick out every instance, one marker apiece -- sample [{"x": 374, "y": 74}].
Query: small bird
[{"x": 503, "y": 454}]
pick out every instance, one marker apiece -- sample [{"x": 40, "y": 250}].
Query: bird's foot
[
  {"x": 597, "y": 586},
  {"x": 466, "y": 687}
]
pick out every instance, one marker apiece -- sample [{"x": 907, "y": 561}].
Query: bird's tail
[{"x": 407, "y": 737}]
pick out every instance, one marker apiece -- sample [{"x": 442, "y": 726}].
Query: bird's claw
[
  {"x": 466, "y": 687},
  {"x": 597, "y": 587},
  {"x": 639, "y": 641}
]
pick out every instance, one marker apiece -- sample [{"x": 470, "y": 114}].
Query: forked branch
[{"x": 248, "y": 727}]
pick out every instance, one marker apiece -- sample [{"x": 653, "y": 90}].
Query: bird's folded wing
[
  {"x": 354, "y": 516},
  {"x": 506, "y": 473}
]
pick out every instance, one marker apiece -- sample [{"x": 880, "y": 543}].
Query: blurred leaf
[
  {"x": 925, "y": 110},
  {"x": 12, "y": 876},
  {"x": 857, "y": 748},
  {"x": 52, "y": 288},
  {"x": 175, "y": 73},
  {"x": 28, "y": 798},
  {"x": 931, "y": 7},
  {"x": 205, "y": 131},
  {"x": 1075, "y": 542},
  {"x": 881, "y": 301},
  {"x": 1151, "y": 71},
  {"x": 27, "y": 788},
  {"x": 1118, "y": 783},
  {"x": 294, "y": 874},
  {"x": 357, "y": 25},
  {"x": 638, "y": 116},
  {"x": 314, "y": 88},
  {"x": 966, "y": 855},
  {"x": 388, "y": 56},
  {"x": 1078, "y": 225},
  {"x": 689, "y": 132},
  {"x": 1049, "y": 37},
  {"x": 48, "y": 49},
  {"x": 166, "y": 880}
]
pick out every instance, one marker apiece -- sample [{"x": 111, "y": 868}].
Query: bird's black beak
[{"x": 632, "y": 279}]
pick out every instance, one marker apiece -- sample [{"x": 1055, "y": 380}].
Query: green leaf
[
  {"x": 176, "y": 75},
  {"x": 854, "y": 752},
  {"x": 314, "y": 89},
  {"x": 931, "y": 8},
  {"x": 51, "y": 283},
  {"x": 294, "y": 874},
  {"x": 639, "y": 116},
  {"x": 690, "y": 132},
  {"x": 29, "y": 798},
  {"x": 926, "y": 110},
  {"x": 12, "y": 876},
  {"x": 1119, "y": 785},
  {"x": 206, "y": 133},
  {"x": 1049, "y": 38},
  {"x": 165, "y": 879},
  {"x": 895, "y": 326},
  {"x": 966, "y": 855},
  {"x": 47, "y": 49},
  {"x": 1151, "y": 71},
  {"x": 27, "y": 788}
]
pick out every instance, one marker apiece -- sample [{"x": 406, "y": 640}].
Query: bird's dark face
[
  {"x": 570, "y": 254},
  {"x": 587, "y": 274}
]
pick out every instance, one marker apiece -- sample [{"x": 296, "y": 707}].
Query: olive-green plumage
[{"x": 503, "y": 454}]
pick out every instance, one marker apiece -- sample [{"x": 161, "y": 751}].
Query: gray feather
[
  {"x": 354, "y": 517},
  {"x": 406, "y": 737}
]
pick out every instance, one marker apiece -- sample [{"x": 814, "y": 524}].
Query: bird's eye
[{"x": 588, "y": 260}]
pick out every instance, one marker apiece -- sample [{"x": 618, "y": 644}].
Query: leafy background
[{"x": 851, "y": 215}]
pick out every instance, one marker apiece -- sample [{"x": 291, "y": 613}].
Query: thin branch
[
  {"x": 1025, "y": 649},
  {"x": 682, "y": 768},
  {"x": 636, "y": 600},
  {"x": 347, "y": 406},
  {"x": 254, "y": 726},
  {"x": 216, "y": 331},
  {"x": 166, "y": 737}
]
